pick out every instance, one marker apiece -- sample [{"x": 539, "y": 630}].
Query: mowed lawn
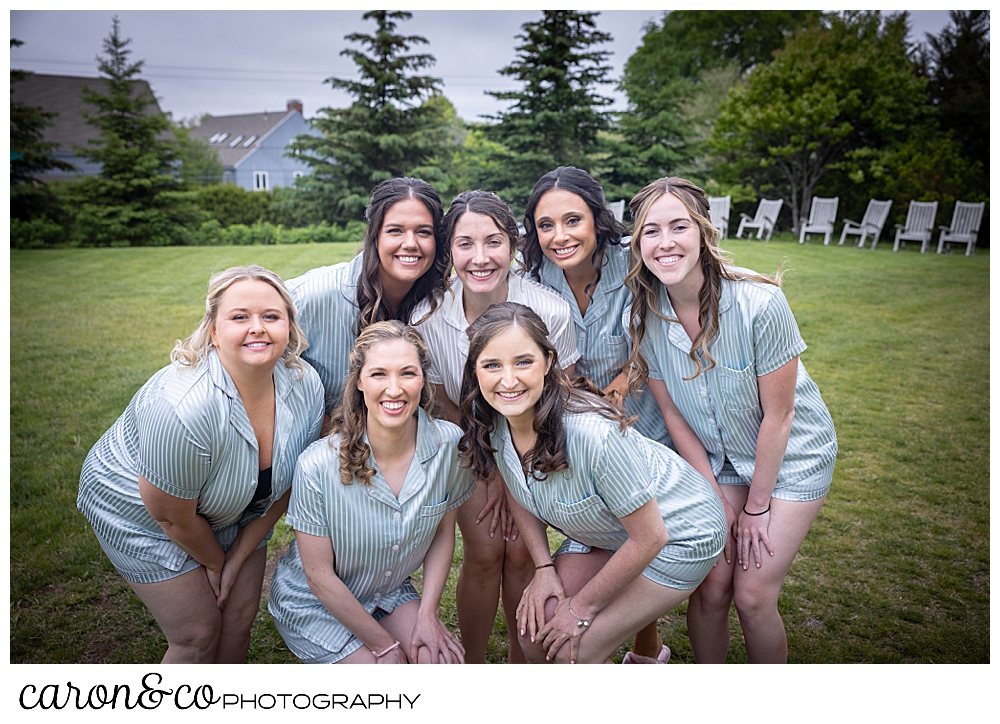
[{"x": 896, "y": 568}]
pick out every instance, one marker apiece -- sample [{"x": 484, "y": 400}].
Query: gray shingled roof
[
  {"x": 243, "y": 127},
  {"x": 61, "y": 94}
]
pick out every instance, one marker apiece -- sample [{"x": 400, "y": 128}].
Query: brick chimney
[{"x": 295, "y": 105}]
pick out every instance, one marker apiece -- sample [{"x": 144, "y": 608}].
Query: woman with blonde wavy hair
[
  {"x": 184, "y": 489},
  {"x": 370, "y": 505},
  {"x": 720, "y": 352}
]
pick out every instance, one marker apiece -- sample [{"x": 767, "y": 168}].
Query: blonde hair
[
  {"x": 646, "y": 287},
  {"x": 350, "y": 417},
  {"x": 193, "y": 350}
]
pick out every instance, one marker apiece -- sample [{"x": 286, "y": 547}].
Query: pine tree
[
  {"x": 30, "y": 155},
  {"x": 555, "y": 117},
  {"x": 134, "y": 199},
  {"x": 394, "y": 127}
]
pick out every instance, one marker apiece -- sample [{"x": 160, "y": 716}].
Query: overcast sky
[{"x": 239, "y": 61}]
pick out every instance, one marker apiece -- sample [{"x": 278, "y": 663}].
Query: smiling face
[
  {"x": 566, "y": 230},
  {"x": 670, "y": 245},
  {"x": 391, "y": 381},
  {"x": 405, "y": 244},
  {"x": 481, "y": 253},
  {"x": 511, "y": 373},
  {"x": 251, "y": 327}
]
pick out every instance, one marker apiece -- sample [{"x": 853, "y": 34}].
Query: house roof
[
  {"x": 61, "y": 94},
  {"x": 243, "y": 133}
]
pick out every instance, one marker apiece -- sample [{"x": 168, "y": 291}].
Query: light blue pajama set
[
  {"x": 326, "y": 299},
  {"x": 757, "y": 335},
  {"x": 602, "y": 334},
  {"x": 186, "y": 431},
  {"x": 610, "y": 475},
  {"x": 378, "y": 540}
]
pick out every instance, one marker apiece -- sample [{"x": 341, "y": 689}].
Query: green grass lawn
[{"x": 896, "y": 568}]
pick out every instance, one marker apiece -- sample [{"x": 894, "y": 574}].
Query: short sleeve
[
  {"x": 462, "y": 485},
  {"x": 172, "y": 456},
  {"x": 776, "y": 337},
  {"x": 622, "y": 476},
  {"x": 647, "y": 349},
  {"x": 307, "y": 508},
  {"x": 563, "y": 338}
]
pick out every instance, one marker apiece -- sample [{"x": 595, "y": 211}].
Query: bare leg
[
  {"x": 757, "y": 589},
  {"x": 186, "y": 611},
  {"x": 518, "y": 570},
  {"x": 241, "y": 610},
  {"x": 648, "y": 641}
]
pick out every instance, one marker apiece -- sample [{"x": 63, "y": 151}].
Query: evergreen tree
[
  {"x": 134, "y": 200},
  {"x": 30, "y": 155},
  {"x": 959, "y": 87},
  {"x": 396, "y": 125},
  {"x": 555, "y": 118}
]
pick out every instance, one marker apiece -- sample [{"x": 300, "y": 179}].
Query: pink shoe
[{"x": 664, "y": 657}]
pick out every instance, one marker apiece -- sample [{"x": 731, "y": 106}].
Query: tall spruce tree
[
  {"x": 30, "y": 155},
  {"x": 134, "y": 199},
  {"x": 554, "y": 119},
  {"x": 394, "y": 127}
]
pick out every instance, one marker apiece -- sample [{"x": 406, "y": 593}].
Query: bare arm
[
  {"x": 183, "y": 525},
  {"x": 317, "y": 561},
  {"x": 777, "y": 399},
  {"x": 429, "y": 631},
  {"x": 247, "y": 541},
  {"x": 449, "y": 410}
]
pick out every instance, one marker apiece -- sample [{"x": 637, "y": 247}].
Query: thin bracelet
[
  {"x": 547, "y": 565},
  {"x": 580, "y": 622},
  {"x": 378, "y": 655},
  {"x": 756, "y": 514}
]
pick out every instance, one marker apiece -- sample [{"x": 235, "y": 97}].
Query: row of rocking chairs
[{"x": 919, "y": 224}]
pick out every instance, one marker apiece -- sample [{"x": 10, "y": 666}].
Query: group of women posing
[{"x": 642, "y": 396}]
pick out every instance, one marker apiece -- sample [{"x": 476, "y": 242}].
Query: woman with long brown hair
[{"x": 721, "y": 350}]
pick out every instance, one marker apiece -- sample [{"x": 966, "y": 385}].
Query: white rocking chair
[
  {"x": 871, "y": 224},
  {"x": 964, "y": 227},
  {"x": 918, "y": 227},
  {"x": 763, "y": 221},
  {"x": 718, "y": 207},
  {"x": 821, "y": 217}
]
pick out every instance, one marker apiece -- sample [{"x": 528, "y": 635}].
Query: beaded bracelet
[
  {"x": 378, "y": 655},
  {"x": 756, "y": 514}
]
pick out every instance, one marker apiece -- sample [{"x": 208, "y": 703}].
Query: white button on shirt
[
  {"x": 361, "y": 522},
  {"x": 757, "y": 335}
]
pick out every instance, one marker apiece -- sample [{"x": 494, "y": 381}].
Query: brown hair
[
  {"x": 351, "y": 415},
  {"x": 371, "y": 302},
  {"x": 193, "y": 350},
  {"x": 646, "y": 287},
  {"x": 559, "y": 396}
]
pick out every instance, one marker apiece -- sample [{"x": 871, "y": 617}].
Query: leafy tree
[
  {"x": 831, "y": 96},
  {"x": 394, "y": 127},
  {"x": 676, "y": 81},
  {"x": 554, "y": 119},
  {"x": 200, "y": 164},
  {"x": 959, "y": 87},
  {"x": 30, "y": 155},
  {"x": 135, "y": 199}
]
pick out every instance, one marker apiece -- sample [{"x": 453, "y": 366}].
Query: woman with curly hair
[
  {"x": 651, "y": 526},
  {"x": 370, "y": 505},
  {"x": 184, "y": 489},
  {"x": 721, "y": 351},
  {"x": 401, "y": 263}
]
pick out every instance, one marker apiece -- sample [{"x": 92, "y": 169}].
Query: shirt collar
[
  {"x": 675, "y": 331},
  {"x": 349, "y": 282}
]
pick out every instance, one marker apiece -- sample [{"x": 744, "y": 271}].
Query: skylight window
[
  {"x": 232, "y": 144},
  {"x": 218, "y": 137},
  {"x": 249, "y": 141}
]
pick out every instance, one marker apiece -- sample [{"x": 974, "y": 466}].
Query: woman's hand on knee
[
  {"x": 561, "y": 629},
  {"x": 545, "y": 584},
  {"x": 432, "y": 642},
  {"x": 752, "y": 536}
]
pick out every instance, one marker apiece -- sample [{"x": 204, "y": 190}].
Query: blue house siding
[{"x": 269, "y": 155}]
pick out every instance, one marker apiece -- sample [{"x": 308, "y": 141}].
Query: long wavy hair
[
  {"x": 192, "y": 351},
  {"x": 479, "y": 202},
  {"x": 575, "y": 180},
  {"x": 371, "y": 301},
  {"x": 350, "y": 417},
  {"x": 646, "y": 287},
  {"x": 559, "y": 397}
]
